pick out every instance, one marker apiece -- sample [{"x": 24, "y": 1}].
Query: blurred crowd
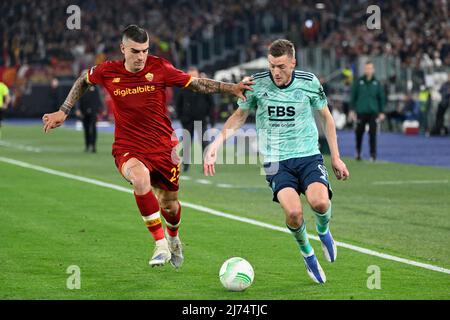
[
  {"x": 36, "y": 44},
  {"x": 417, "y": 31},
  {"x": 34, "y": 31}
]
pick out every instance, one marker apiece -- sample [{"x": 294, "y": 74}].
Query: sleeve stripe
[
  {"x": 265, "y": 73},
  {"x": 87, "y": 78},
  {"x": 304, "y": 78},
  {"x": 188, "y": 83},
  {"x": 261, "y": 76}
]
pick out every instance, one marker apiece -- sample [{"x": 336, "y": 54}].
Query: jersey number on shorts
[{"x": 175, "y": 172}]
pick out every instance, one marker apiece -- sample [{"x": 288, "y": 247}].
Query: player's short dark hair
[
  {"x": 281, "y": 47},
  {"x": 369, "y": 62},
  {"x": 135, "y": 33}
]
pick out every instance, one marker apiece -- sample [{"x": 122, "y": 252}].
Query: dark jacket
[
  {"x": 90, "y": 102},
  {"x": 445, "y": 93},
  {"x": 192, "y": 106},
  {"x": 367, "y": 96}
]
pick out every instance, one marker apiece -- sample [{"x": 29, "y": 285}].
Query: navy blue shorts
[{"x": 297, "y": 173}]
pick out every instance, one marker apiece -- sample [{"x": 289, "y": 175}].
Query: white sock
[
  {"x": 170, "y": 238},
  {"x": 163, "y": 241}
]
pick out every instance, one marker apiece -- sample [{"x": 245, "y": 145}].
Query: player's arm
[
  {"x": 56, "y": 119},
  {"x": 205, "y": 85},
  {"x": 234, "y": 122},
  {"x": 327, "y": 121}
]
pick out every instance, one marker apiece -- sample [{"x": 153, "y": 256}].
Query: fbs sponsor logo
[{"x": 136, "y": 90}]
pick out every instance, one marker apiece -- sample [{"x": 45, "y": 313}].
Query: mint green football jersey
[{"x": 285, "y": 115}]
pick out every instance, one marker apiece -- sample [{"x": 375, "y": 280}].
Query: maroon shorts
[{"x": 164, "y": 169}]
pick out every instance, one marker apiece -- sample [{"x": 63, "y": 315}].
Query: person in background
[
  {"x": 194, "y": 110},
  {"x": 5, "y": 99},
  {"x": 411, "y": 108},
  {"x": 55, "y": 94},
  {"x": 424, "y": 109},
  {"x": 439, "y": 127},
  {"x": 367, "y": 103},
  {"x": 89, "y": 106},
  {"x": 395, "y": 118}
]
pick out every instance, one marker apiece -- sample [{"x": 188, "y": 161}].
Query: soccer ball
[{"x": 236, "y": 274}]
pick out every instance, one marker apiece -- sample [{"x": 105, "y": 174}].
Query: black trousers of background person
[
  {"x": 90, "y": 131},
  {"x": 440, "y": 115},
  {"x": 361, "y": 121},
  {"x": 190, "y": 127}
]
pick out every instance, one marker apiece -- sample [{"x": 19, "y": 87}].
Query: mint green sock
[
  {"x": 323, "y": 220},
  {"x": 301, "y": 237}
]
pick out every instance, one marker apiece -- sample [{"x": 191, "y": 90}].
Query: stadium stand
[{"x": 331, "y": 36}]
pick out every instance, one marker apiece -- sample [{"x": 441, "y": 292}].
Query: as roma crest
[{"x": 149, "y": 76}]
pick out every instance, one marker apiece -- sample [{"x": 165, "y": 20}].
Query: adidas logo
[{"x": 265, "y": 95}]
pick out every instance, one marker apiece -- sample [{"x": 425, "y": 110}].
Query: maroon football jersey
[{"x": 140, "y": 112}]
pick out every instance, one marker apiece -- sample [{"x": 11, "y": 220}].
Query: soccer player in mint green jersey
[{"x": 285, "y": 101}]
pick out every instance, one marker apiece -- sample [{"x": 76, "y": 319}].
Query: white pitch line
[
  {"x": 203, "y": 181},
  {"x": 225, "y": 185},
  {"x": 219, "y": 185},
  {"x": 19, "y": 146},
  {"x": 225, "y": 215},
  {"x": 410, "y": 182}
]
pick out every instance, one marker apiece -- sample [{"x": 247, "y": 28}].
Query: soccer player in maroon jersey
[{"x": 144, "y": 139}]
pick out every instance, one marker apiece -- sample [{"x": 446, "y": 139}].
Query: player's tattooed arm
[
  {"x": 205, "y": 85},
  {"x": 78, "y": 89},
  {"x": 56, "y": 119}
]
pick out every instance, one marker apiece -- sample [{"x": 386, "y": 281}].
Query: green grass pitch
[{"x": 48, "y": 223}]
